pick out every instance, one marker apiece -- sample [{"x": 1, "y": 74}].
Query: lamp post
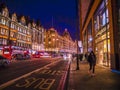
[
  {"x": 77, "y": 34},
  {"x": 77, "y": 68}
]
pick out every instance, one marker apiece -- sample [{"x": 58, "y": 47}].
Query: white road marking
[{"x": 25, "y": 75}]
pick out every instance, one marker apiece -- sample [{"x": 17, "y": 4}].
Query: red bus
[{"x": 9, "y": 51}]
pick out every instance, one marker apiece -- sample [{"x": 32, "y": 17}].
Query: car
[
  {"x": 18, "y": 57},
  {"x": 27, "y": 56},
  {"x": 4, "y": 62},
  {"x": 45, "y": 54}
]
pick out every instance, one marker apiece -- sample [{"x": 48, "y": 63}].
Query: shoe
[
  {"x": 89, "y": 71},
  {"x": 93, "y": 75}
]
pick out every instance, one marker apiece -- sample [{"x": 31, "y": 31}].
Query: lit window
[
  {"x": 3, "y": 21},
  {"x": 25, "y": 31},
  {"x": 3, "y": 13},
  {"x": 2, "y": 31},
  {"x": 28, "y": 32},
  {"x": 14, "y": 26},
  {"x": 20, "y": 30},
  {"x": 103, "y": 19},
  {"x": 12, "y": 34},
  {"x": 6, "y": 32}
]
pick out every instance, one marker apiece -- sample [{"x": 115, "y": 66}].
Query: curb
[{"x": 63, "y": 81}]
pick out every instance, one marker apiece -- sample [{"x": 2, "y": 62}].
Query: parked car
[
  {"x": 45, "y": 54},
  {"x": 4, "y": 61},
  {"x": 27, "y": 56},
  {"x": 18, "y": 57}
]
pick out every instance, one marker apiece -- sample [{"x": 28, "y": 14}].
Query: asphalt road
[
  {"x": 19, "y": 68},
  {"x": 35, "y": 74}
]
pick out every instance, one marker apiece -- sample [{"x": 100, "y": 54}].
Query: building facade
[
  {"x": 100, "y": 29},
  {"x": 19, "y": 33},
  {"x": 56, "y": 43},
  {"x": 51, "y": 40},
  {"x": 69, "y": 46},
  {"x": 37, "y": 34}
]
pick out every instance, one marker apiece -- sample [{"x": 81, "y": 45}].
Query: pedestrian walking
[
  {"x": 86, "y": 56},
  {"x": 81, "y": 57},
  {"x": 92, "y": 63}
]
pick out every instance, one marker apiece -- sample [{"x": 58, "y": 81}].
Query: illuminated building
[
  {"x": 19, "y": 33},
  {"x": 51, "y": 39},
  {"x": 8, "y": 28},
  {"x": 69, "y": 46},
  {"x": 23, "y": 34},
  {"x": 56, "y": 43},
  {"x": 100, "y": 28},
  {"x": 37, "y": 36}
]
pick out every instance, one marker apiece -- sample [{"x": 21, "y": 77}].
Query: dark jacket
[{"x": 92, "y": 58}]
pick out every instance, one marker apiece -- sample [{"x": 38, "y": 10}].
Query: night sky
[{"x": 60, "y": 14}]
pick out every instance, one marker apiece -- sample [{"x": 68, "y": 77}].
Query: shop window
[{"x": 103, "y": 18}]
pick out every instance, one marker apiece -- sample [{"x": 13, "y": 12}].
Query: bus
[{"x": 9, "y": 51}]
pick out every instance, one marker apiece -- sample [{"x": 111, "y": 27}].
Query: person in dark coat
[
  {"x": 92, "y": 63},
  {"x": 80, "y": 57},
  {"x": 86, "y": 56}
]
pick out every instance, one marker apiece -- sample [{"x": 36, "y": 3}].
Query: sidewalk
[{"x": 103, "y": 80}]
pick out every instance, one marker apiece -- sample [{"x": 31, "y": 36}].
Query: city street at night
[
  {"x": 59, "y": 44},
  {"x": 56, "y": 74},
  {"x": 46, "y": 74}
]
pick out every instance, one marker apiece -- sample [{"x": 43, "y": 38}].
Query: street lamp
[
  {"x": 77, "y": 32},
  {"x": 77, "y": 68}
]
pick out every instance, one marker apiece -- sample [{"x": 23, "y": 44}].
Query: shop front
[
  {"x": 102, "y": 34},
  {"x": 96, "y": 36},
  {"x": 102, "y": 51}
]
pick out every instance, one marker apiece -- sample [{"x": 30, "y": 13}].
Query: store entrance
[
  {"x": 102, "y": 53},
  {"x": 99, "y": 53}
]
